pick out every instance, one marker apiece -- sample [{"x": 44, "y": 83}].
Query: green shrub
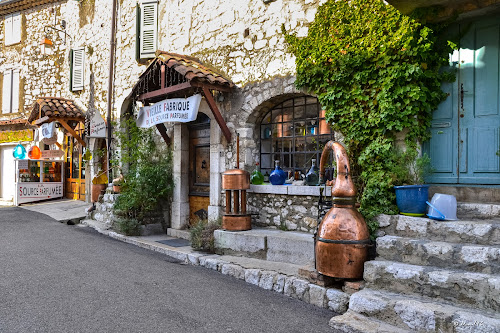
[
  {"x": 148, "y": 180},
  {"x": 202, "y": 235},
  {"x": 129, "y": 227}
]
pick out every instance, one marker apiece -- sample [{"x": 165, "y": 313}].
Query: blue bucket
[{"x": 411, "y": 198}]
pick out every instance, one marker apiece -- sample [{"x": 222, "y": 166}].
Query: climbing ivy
[{"x": 376, "y": 72}]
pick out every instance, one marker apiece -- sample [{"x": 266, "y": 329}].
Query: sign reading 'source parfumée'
[
  {"x": 38, "y": 191},
  {"x": 170, "y": 110}
]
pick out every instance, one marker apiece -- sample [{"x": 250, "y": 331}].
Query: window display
[{"x": 38, "y": 180}]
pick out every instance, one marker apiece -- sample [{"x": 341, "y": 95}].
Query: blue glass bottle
[{"x": 278, "y": 176}]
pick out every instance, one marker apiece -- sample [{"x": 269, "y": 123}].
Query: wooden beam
[
  {"x": 42, "y": 120},
  {"x": 163, "y": 131},
  {"x": 59, "y": 146},
  {"x": 216, "y": 113},
  {"x": 165, "y": 91},
  {"x": 73, "y": 133},
  {"x": 211, "y": 86}
]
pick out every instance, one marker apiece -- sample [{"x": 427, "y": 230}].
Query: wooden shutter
[
  {"x": 148, "y": 31},
  {"x": 8, "y": 29},
  {"x": 15, "y": 91},
  {"x": 77, "y": 69},
  {"x": 16, "y": 28},
  {"x": 6, "y": 91}
]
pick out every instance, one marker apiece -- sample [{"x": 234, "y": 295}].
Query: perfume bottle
[
  {"x": 312, "y": 176},
  {"x": 256, "y": 177},
  {"x": 278, "y": 176}
]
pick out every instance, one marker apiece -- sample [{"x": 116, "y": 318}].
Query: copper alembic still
[
  {"x": 236, "y": 182},
  {"x": 342, "y": 239}
]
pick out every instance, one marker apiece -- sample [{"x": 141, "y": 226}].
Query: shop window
[
  {"x": 294, "y": 133},
  {"x": 10, "y": 91},
  {"x": 147, "y": 29},
  {"x": 12, "y": 32},
  {"x": 77, "y": 69}
]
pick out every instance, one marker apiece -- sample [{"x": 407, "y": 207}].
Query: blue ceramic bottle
[{"x": 278, "y": 176}]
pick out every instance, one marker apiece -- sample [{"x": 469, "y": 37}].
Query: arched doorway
[{"x": 199, "y": 168}]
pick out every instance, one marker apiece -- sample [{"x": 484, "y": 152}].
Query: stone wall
[{"x": 286, "y": 207}]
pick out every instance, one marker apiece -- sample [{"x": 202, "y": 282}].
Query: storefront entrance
[
  {"x": 199, "y": 168},
  {"x": 74, "y": 173},
  {"x": 7, "y": 172}
]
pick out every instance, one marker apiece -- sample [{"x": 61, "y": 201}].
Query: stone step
[
  {"x": 484, "y": 232},
  {"x": 419, "y": 314},
  {"x": 473, "y": 258},
  {"x": 269, "y": 244},
  {"x": 352, "y": 322},
  {"x": 469, "y": 289},
  {"x": 468, "y": 194}
]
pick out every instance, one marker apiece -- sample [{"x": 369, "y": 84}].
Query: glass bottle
[
  {"x": 256, "y": 177},
  {"x": 312, "y": 176},
  {"x": 266, "y": 177},
  {"x": 278, "y": 176}
]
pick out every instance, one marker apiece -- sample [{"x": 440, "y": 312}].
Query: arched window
[{"x": 293, "y": 132}]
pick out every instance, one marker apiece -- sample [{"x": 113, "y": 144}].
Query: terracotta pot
[
  {"x": 97, "y": 189},
  {"x": 116, "y": 188}
]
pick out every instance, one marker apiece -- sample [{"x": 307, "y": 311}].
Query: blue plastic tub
[{"x": 411, "y": 198}]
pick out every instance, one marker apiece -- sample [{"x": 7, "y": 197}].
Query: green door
[{"x": 465, "y": 128}]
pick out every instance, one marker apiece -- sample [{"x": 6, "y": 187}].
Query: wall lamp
[{"x": 46, "y": 45}]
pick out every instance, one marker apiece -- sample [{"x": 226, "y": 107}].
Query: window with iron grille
[{"x": 293, "y": 132}]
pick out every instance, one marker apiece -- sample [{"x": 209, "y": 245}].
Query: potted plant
[
  {"x": 117, "y": 183},
  {"x": 410, "y": 171}
]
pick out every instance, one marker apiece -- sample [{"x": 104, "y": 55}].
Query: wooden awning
[
  {"x": 176, "y": 75},
  {"x": 64, "y": 111}
]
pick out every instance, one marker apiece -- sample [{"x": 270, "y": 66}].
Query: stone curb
[{"x": 291, "y": 286}]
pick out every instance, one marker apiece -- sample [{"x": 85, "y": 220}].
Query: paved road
[{"x": 60, "y": 278}]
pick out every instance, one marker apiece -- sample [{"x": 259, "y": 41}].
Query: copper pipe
[
  {"x": 243, "y": 202},
  {"x": 236, "y": 202},
  {"x": 238, "y": 151},
  {"x": 228, "y": 201},
  {"x": 344, "y": 186}
]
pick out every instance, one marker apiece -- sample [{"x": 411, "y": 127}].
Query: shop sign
[
  {"x": 16, "y": 136},
  {"x": 97, "y": 127},
  {"x": 48, "y": 133},
  {"x": 28, "y": 192},
  {"x": 54, "y": 153},
  {"x": 181, "y": 110}
]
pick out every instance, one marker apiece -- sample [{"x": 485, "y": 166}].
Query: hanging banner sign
[
  {"x": 181, "y": 110},
  {"x": 55, "y": 153},
  {"x": 97, "y": 126}
]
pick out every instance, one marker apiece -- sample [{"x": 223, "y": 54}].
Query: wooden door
[
  {"x": 74, "y": 173},
  {"x": 465, "y": 142},
  {"x": 199, "y": 171}
]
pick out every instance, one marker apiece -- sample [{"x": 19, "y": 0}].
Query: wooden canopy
[
  {"x": 176, "y": 75},
  {"x": 64, "y": 111}
]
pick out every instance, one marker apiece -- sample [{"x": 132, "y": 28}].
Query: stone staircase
[{"x": 431, "y": 276}]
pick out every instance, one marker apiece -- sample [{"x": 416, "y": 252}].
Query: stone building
[{"x": 239, "y": 41}]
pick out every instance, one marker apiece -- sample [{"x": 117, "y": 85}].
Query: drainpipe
[{"x": 112, "y": 44}]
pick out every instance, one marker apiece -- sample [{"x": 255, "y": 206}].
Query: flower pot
[
  {"x": 116, "y": 188},
  {"x": 411, "y": 199},
  {"x": 97, "y": 189}
]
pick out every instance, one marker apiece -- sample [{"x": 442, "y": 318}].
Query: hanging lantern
[
  {"x": 34, "y": 153},
  {"x": 19, "y": 152},
  {"x": 46, "y": 46}
]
